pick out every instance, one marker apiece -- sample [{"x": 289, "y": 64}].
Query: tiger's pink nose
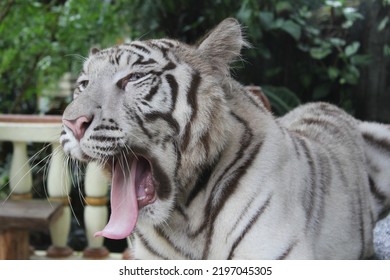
[{"x": 78, "y": 126}]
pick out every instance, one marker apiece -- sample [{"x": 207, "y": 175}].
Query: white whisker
[{"x": 30, "y": 160}]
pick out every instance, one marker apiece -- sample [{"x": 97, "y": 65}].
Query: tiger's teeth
[{"x": 141, "y": 198}]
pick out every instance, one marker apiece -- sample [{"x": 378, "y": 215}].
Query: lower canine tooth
[{"x": 141, "y": 198}]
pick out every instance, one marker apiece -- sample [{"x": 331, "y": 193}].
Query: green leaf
[
  {"x": 303, "y": 47},
  {"x": 267, "y": 19},
  {"x": 333, "y": 4},
  {"x": 337, "y": 42},
  {"x": 333, "y": 72},
  {"x": 320, "y": 53},
  {"x": 361, "y": 59},
  {"x": 292, "y": 28},
  {"x": 312, "y": 30},
  {"x": 383, "y": 23},
  {"x": 352, "y": 48},
  {"x": 386, "y": 50},
  {"x": 7, "y": 58},
  {"x": 351, "y": 15},
  {"x": 347, "y": 24},
  {"x": 350, "y": 75},
  {"x": 283, "y": 6}
]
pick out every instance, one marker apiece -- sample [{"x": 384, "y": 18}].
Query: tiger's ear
[
  {"x": 93, "y": 51},
  {"x": 223, "y": 44}
]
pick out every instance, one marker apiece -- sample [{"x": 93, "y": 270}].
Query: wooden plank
[
  {"x": 28, "y": 214},
  {"x": 14, "y": 244}
]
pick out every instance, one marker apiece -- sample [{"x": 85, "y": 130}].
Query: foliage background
[{"x": 302, "y": 50}]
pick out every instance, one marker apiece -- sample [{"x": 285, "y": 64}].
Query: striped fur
[{"x": 229, "y": 180}]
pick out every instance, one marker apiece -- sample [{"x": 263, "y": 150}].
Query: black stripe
[
  {"x": 168, "y": 116},
  {"x": 142, "y": 61},
  {"x": 205, "y": 140},
  {"x": 130, "y": 54},
  {"x": 169, "y": 66},
  {"x": 242, "y": 214},
  {"x": 178, "y": 160},
  {"x": 324, "y": 182},
  {"x": 181, "y": 211},
  {"x": 97, "y": 154},
  {"x": 379, "y": 196},
  {"x": 164, "y": 50},
  {"x": 200, "y": 184},
  {"x": 252, "y": 221},
  {"x": 118, "y": 56},
  {"x": 380, "y": 144},
  {"x": 103, "y": 149},
  {"x": 332, "y": 127},
  {"x": 111, "y": 59},
  {"x": 106, "y": 127},
  {"x": 167, "y": 43},
  {"x": 149, "y": 81},
  {"x": 104, "y": 138},
  {"x": 256, "y": 100},
  {"x": 314, "y": 198},
  {"x": 361, "y": 227},
  {"x": 308, "y": 198},
  {"x": 148, "y": 247},
  {"x": 297, "y": 143},
  {"x": 164, "y": 187},
  {"x": 288, "y": 251},
  {"x": 192, "y": 101},
  {"x": 332, "y": 111},
  {"x": 141, "y": 48},
  {"x": 143, "y": 102},
  {"x": 160, "y": 232},
  {"x": 174, "y": 89},
  {"x": 142, "y": 126},
  {"x": 152, "y": 92}
]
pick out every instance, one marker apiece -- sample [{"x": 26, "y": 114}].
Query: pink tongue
[{"x": 124, "y": 206}]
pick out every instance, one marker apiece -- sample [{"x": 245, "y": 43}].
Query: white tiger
[{"x": 201, "y": 170}]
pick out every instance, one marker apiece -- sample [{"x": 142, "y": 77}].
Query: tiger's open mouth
[{"x": 131, "y": 189}]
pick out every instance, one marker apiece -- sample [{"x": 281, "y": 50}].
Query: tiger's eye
[
  {"x": 83, "y": 85},
  {"x": 132, "y": 77}
]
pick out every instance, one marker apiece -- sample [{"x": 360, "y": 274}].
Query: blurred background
[{"x": 302, "y": 50}]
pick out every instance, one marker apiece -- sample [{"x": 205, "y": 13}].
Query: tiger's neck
[{"x": 242, "y": 126}]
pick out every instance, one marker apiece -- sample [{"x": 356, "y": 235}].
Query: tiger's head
[{"x": 153, "y": 113}]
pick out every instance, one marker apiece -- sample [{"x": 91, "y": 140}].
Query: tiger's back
[
  {"x": 202, "y": 170},
  {"x": 338, "y": 211}
]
